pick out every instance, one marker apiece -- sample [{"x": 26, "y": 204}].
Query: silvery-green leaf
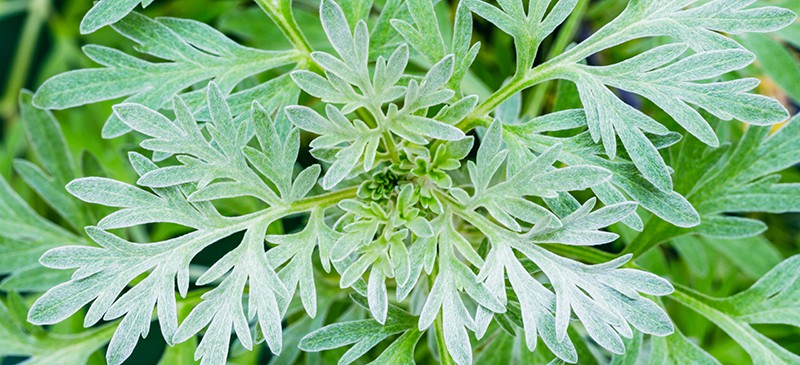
[
  {"x": 108, "y": 12},
  {"x": 528, "y": 29},
  {"x": 191, "y": 60}
]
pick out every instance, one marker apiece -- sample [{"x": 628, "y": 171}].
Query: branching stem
[
  {"x": 565, "y": 36},
  {"x": 480, "y": 116}
]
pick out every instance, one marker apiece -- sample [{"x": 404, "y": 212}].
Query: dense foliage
[{"x": 397, "y": 181}]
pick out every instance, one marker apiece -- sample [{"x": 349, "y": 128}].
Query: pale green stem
[
  {"x": 322, "y": 201},
  {"x": 656, "y": 232},
  {"x": 281, "y": 14},
  {"x": 391, "y": 147},
  {"x": 693, "y": 300},
  {"x": 381, "y": 121},
  {"x": 564, "y": 38},
  {"x": 615, "y": 32},
  {"x": 444, "y": 356},
  {"x": 268, "y": 215},
  {"x": 480, "y": 116},
  {"x": 711, "y": 308}
]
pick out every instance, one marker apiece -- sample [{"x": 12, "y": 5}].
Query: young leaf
[
  {"x": 427, "y": 27},
  {"x": 335, "y": 130},
  {"x": 528, "y": 29}
]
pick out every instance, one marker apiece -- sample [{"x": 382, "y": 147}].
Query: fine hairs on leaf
[{"x": 408, "y": 181}]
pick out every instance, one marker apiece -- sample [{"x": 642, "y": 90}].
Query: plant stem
[
  {"x": 444, "y": 356},
  {"x": 655, "y": 232},
  {"x": 564, "y": 38},
  {"x": 322, "y": 200},
  {"x": 714, "y": 310},
  {"x": 303, "y": 205},
  {"x": 585, "y": 254},
  {"x": 480, "y": 116},
  {"x": 498, "y": 97},
  {"x": 381, "y": 122},
  {"x": 245, "y": 222},
  {"x": 616, "y": 32},
  {"x": 391, "y": 147},
  {"x": 283, "y": 17},
  {"x": 691, "y": 299}
]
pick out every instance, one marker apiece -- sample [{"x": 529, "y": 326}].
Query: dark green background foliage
[{"x": 41, "y": 38}]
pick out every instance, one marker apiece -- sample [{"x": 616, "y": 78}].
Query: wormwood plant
[{"x": 443, "y": 214}]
